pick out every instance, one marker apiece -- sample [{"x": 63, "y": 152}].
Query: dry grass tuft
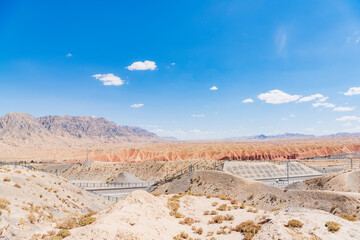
[
  {"x": 63, "y": 233},
  {"x": 295, "y": 223},
  {"x": 348, "y": 217},
  {"x": 188, "y": 221},
  {"x": 332, "y": 226},
  {"x": 249, "y": 228},
  {"x": 222, "y": 207}
]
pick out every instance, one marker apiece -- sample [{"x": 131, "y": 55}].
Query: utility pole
[{"x": 287, "y": 171}]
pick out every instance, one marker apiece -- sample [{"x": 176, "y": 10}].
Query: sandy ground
[
  {"x": 348, "y": 181},
  {"x": 260, "y": 194},
  {"x": 144, "y": 216},
  {"x": 32, "y": 202}
]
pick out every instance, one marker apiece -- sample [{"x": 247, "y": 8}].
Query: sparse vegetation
[
  {"x": 348, "y": 217},
  {"x": 216, "y": 219},
  {"x": 222, "y": 207},
  {"x": 63, "y": 233},
  {"x": 188, "y": 221},
  {"x": 249, "y": 228},
  {"x": 332, "y": 226},
  {"x": 295, "y": 223}
]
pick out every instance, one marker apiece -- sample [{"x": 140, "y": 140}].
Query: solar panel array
[{"x": 267, "y": 170}]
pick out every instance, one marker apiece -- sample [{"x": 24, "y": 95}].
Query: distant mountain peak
[{"x": 21, "y": 128}]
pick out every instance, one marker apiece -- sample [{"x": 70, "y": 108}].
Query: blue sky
[{"x": 184, "y": 68}]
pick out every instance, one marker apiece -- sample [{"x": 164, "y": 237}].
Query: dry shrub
[
  {"x": 31, "y": 217},
  {"x": 252, "y": 210},
  {"x": 199, "y": 231},
  {"x": 248, "y": 228},
  {"x": 213, "y": 212},
  {"x": 348, "y": 217},
  {"x": 188, "y": 221},
  {"x": 6, "y": 179},
  {"x": 228, "y": 217},
  {"x": 216, "y": 219},
  {"x": 86, "y": 220},
  {"x": 332, "y": 226},
  {"x": 242, "y": 206},
  {"x": 214, "y": 204},
  {"x": 17, "y": 185},
  {"x": 222, "y": 207},
  {"x": 182, "y": 235},
  {"x": 295, "y": 223},
  {"x": 178, "y": 215},
  {"x": 63, "y": 233},
  {"x": 206, "y": 212},
  {"x": 4, "y": 204},
  {"x": 233, "y": 202},
  {"x": 68, "y": 223}
]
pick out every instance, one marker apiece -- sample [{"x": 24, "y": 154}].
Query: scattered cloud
[
  {"x": 319, "y": 97},
  {"x": 109, "y": 79},
  {"x": 173, "y": 64},
  {"x": 146, "y": 65},
  {"x": 353, "y": 91},
  {"x": 323, "y": 104},
  {"x": 348, "y": 118},
  {"x": 69, "y": 55},
  {"x": 278, "y": 97},
  {"x": 284, "y": 119},
  {"x": 248, "y": 100},
  {"x": 198, "y": 115},
  {"x": 292, "y": 115},
  {"x": 343, "y": 109},
  {"x": 213, "y": 88},
  {"x": 137, "y": 105}
]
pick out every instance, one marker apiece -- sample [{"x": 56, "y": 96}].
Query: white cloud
[
  {"x": 348, "y": 118},
  {"x": 214, "y": 88},
  {"x": 343, "y": 109},
  {"x": 313, "y": 97},
  {"x": 284, "y": 119},
  {"x": 278, "y": 97},
  {"x": 69, "y": 55},
  {"x": 248, "y": 100},
  {"x": 198, "y": 115},
  {"x": 137, "y": 105},
  {"x": 292, "y": 115},
  {"x": 352, "y": 91},
  {"x": 323, "y": 104},
  {"x": 146, "y": 65},
  {"x": 173, "y": 64},
  {"x": 109, "y": 79}
]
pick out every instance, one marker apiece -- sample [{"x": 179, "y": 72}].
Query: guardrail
[{"x": 113, "y": 185}]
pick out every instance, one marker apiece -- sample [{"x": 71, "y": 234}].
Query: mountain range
[{"x": 21, "y": 129}]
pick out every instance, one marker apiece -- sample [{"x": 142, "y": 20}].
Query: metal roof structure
[{"x": 267, "y": 170}]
